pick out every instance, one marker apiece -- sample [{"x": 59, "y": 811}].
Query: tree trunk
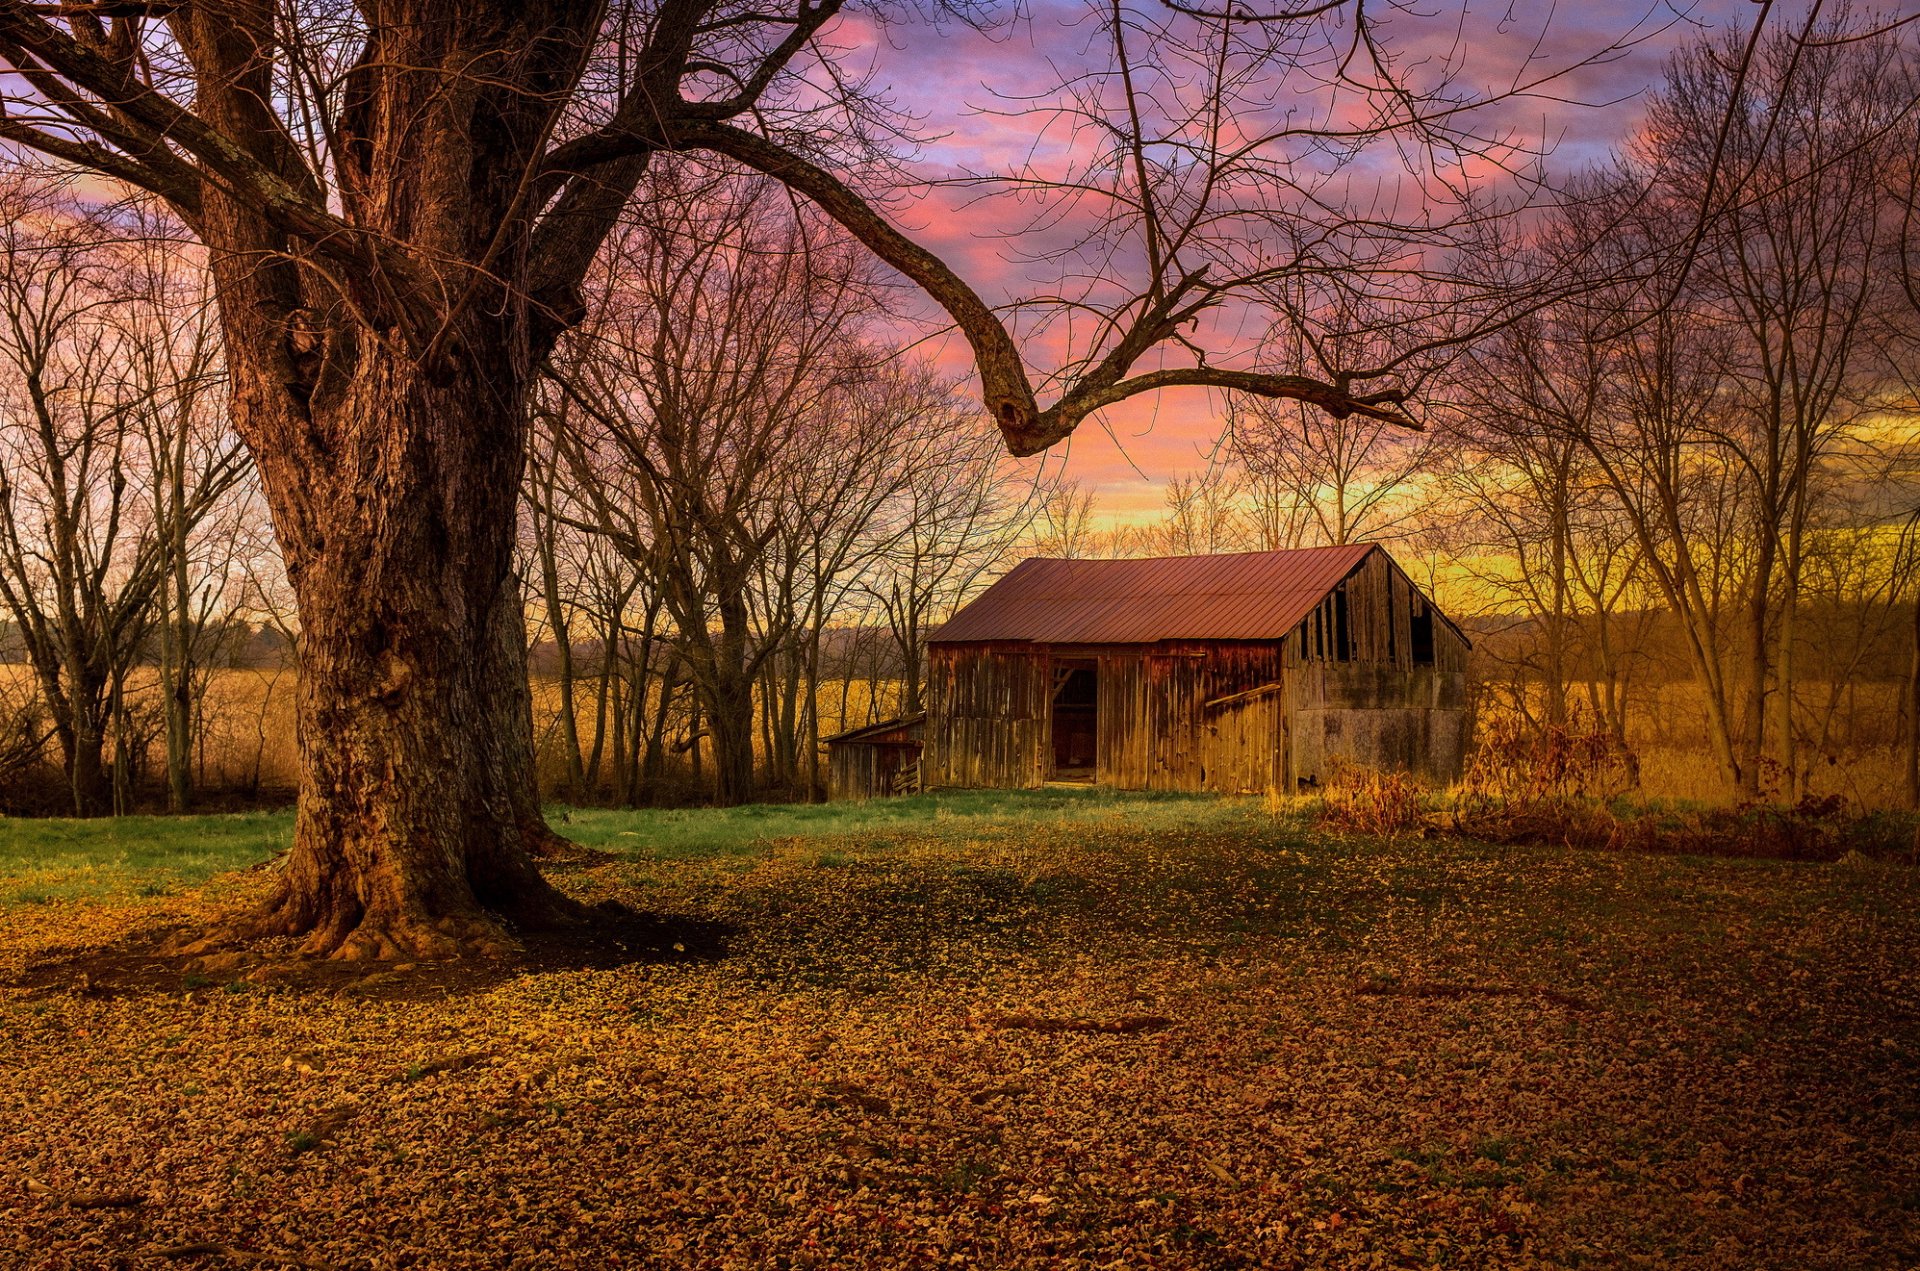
[
  {"x": 816, "y": 793},
  {"x": 176, "y": 639},
  {"x": 724, "y": 682},
  {"x": 601, "y": 704},
  {"x": 418, "y": 815},
  {"x": 1913, "y": 713},
  {"x": 1785, "y": 739},
  {"x": 1758, "y": 671},
  {"x": 730, "y": 716},
  {"x": 84, "y": 746},
  {"x": 563, "y": 652}
]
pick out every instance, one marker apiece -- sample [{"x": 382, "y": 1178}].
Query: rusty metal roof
[
  {"x": 867, "y": 732},
  {"x": 1236, "y": 596}
]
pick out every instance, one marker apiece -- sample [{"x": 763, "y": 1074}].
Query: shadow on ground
[{"x": 143, "y": 965}]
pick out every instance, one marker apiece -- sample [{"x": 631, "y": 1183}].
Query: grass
[
  {"x": 1363, "y": 1052},
  {"x": 47, "y": 859},
  {"x": 754, "y": 829},
  {"x": 51, "y": 859}
]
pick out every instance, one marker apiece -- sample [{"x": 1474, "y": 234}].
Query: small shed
[
  {"x": 876, "y": 760},
  {"x": 1242, "y": 672}
]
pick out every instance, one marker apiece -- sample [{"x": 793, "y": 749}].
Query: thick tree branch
[
  {"x": 183, "y": 195},
  {"x": 1386, "y": 405},
  {"x": 1004, "y": 384},
  {"x": 162, "y": 120},
  {"x": 1003, "y": 378}
]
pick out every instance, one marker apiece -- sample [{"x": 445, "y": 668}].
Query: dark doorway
[{"x": 1076, "y": 720}]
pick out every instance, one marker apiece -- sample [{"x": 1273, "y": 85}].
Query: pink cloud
[{"x": 949, "y": 77}]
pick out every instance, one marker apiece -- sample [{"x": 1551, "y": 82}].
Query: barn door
[{"x": 1076, "y": 720}]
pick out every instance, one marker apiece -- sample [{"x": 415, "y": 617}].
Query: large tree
[{"x": 400, "y": 200}]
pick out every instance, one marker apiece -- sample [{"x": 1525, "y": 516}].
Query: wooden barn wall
[
  {"x": 852, "y": 772},
  {"x": 987, "y": 716},
  {"x": 869, "y": 769},
  {"x": 1376, "y": 705},
  {"x": 1244, "y": 742},
  {"x": 991, "y": 714},
  {"x": 1219, "y": 715},
  {"x": 1156, "y": 732}
]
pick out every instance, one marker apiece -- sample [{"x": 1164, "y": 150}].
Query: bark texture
[
  {"x": 418, "y": 812},
  {"x": 389, "y": 426}
]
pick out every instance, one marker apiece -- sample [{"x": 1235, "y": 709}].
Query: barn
[
  {"x": 1243, "y": 672},
  {"x": 875, "y": 760}
]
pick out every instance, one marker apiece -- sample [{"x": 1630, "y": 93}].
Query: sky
[{"x": 945, "y": 77}]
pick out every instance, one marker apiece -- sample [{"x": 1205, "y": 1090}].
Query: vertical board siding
[
  {"x": 987, "y": 714},
  {"x": 1245, "y": 742},
  {"x": 851, "y": 772},
  {"x": 865, "y": 763},
  {"x": 1122, "y": 757},
  {"x": 1231, "y": 716},
  {"x": 1376, "y": 706}
]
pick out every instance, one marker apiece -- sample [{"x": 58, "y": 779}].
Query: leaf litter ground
[{"x": 1167, "y": 1034}]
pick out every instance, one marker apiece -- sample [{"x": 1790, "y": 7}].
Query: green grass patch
[
  {"x": 51, "y": 859},
  {"x": 956, "y": 815}
]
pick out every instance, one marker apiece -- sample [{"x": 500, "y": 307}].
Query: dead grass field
[
  {"x": 1055, "y": 1030},
  {"x": 249, "y": 739}
]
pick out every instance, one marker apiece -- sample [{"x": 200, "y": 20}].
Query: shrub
[
  {"x": 1363, "y": 800},
  {"x": 1517, "y": 762}
]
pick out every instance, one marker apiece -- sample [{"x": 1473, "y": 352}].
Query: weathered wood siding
[
  {"x": 853, "y": 772},
  {"x": 1155, "y": 730},
  {"x": 991, "y": 714},
  {"x": 1388, "y": 699},
  {"x": 987, "y": 716},
  {"x": 867, "y": 765},
  {"x": 1374, "y": 675},
  {"x": 1245, "y": 741}
]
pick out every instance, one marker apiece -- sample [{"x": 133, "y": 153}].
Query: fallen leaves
[
  {"x": 1042, "y": 1024},
  {"x": 1394, "y": 988},
  {"x": 213, "y": 1249},
  {"x": 936, "y": 1052},
  {"x": 847, "y": 1093},
  {"x": 85, "y": 1200},
  {"x": 447, "y": 1063},
  {"x": 320, "y": 1131}
]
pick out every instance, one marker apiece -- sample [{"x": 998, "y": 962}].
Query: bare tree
[
  {"x": 1064, "y": 524},
  {"x": 724, "y": 342},
  {"x": 862, "y": 485},
  {"x": 1901, "y": 192},
  {"x": 82, "y": 561},
  {"x": 1349, "y": 477},
  {"x": 1524, "y": 497},
  {"x": 401, "y": 203},
  {"x": 1790, "y": 256},
  {"x": 173, "y": 380},
  {"x": 1204, "y": 514}
]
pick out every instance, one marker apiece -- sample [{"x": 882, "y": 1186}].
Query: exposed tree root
[
  {"x": 1047, "y": 1024},
  {"x": 343, "y": 931},
  {"x": 211, "y": 1249},
  {"x": 86, "y": 1200}
]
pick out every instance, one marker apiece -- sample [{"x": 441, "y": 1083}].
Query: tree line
[
  {"x": 748, "y": 499},
  {"x": 406, "y": 217}
]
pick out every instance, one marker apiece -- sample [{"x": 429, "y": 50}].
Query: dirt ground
[{"x": 1189, "y": 1036}]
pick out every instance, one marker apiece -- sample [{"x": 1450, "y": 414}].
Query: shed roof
[
  {"x": 1234, "y": 596},
  {"x": 877, "y": 731}
]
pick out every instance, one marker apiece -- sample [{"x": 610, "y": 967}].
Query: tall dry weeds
[{"x": 1362, "y": 800}]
